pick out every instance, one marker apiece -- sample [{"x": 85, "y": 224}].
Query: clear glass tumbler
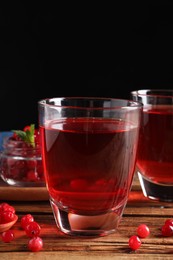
[
  {"x": 89, "y": 150},
  {"x": 155, "y": 154}
]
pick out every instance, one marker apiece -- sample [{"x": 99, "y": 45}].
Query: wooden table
[{"x": 115, "y": 246}]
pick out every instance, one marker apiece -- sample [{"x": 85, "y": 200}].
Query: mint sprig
[{"x": 28, "y": 135}]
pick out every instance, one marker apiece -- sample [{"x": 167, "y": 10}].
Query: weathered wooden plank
[
  {"x": 82, "y": 256},
  {"x": 118, "y": 242}
]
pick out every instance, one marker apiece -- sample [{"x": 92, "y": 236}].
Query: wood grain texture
[
  {"x": 13, "y": 193},
  {"x": 114, "y": 246}
]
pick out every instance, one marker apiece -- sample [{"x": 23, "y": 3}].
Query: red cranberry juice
[
  {"x": 89, "y": 163},
  {"x": 155, "y": 154}
]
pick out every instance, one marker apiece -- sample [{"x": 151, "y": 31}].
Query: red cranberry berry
[
  {"x": 7, "y": 216},
  {"x": 7, "y": 213},
  {"x": 167, "y": 230},
  {"x": 134, "y": 242},
  {"x": 6, "y": 207},
  {"x": 32, "y": 229},
  {"x": 79, "y": 184},
  {"x": 7, "y": 236},
  {"x": 27, "y": 128},
  {"x": 25, "y": 220},
  {"x": 169, "y": 221},
  {"x": 32, "y": 176},
  {"x": 35, "y": 244},
  {"x": 143, "y": 231}
]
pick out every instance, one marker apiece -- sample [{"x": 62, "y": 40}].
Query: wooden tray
[{"x": 22, "y": 193}]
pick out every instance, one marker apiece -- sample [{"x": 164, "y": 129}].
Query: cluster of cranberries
[
  {"x": 32, "y": 229},
  {"x": 7, "y": 213},
  {"x": 20, "y": 161},
  {"x": 143, "y": 231},
  {"x": 28, "y": 224}
]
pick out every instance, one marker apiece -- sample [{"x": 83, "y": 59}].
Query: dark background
[{"x": 81, "y": 50}]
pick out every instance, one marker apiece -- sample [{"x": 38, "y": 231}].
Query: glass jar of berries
[{"x": 20, "y": 160}]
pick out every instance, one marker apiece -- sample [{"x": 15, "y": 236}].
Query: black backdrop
[{"x": 81, "y": 51}]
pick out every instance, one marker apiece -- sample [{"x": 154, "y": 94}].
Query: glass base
[
  {"x": 156, "y": 191},
  {"x": 86, "y": 225}
]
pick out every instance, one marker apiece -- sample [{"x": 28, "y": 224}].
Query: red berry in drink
[
  {"x": 134, "y": 242},
  {"x": 79, "y": 184},
  {"x": 32, "y": 229},
  {"x": 7, "y": 236},
  {"x": 143, "y": 231},
  {"x": 167, "y": 230},
  {"x": 25, "y": 220},
  {"x": 35, "y": 244}
]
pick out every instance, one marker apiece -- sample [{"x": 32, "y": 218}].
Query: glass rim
[
  {"x": 161, "y": 93},
  {"x": 126, "y": 103}
]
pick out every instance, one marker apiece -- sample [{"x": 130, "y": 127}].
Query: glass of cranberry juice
[
  {"x": 155, "y": 153},
  {"x": 88, "y": 150}
]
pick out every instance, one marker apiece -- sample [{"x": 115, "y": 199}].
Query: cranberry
[
  {"x": 143, "y": 230},
  {"x": 167, "y": 230},
  {"x": 20, "y": 164},
  {"x": 25, "y": 220},
  {"x": 101, "y": 182},
  {"x": 79, "y": 184},
  {"x": 32, "y": 229},
  {"x": 134, "y": 242},
  {"x": 35, "y": 244},
  {"x": 27, "y": 128},
  {"x": 32, "y": 164},
  {"x": 7, "y": 213},
  {"x": 7, "y": 216},
  {"x": 7, "y": 236},
  {"x": 6, "y": 207},
  {"x": 169, "y": 222},
  {"x": 15, "y": 137},
  {"x": 32, "y": 176}
]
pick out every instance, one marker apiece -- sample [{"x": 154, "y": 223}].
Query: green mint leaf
[
  {"x": 21, "y": 134},
  {"x": 28, "y": 135}
]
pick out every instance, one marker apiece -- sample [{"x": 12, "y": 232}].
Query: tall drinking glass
[
  {"x": 89, "y": 151},
  {"x": 155, "y": 155}
]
